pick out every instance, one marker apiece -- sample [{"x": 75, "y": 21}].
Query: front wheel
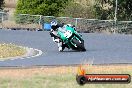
[{"x": 80, "y": 46}]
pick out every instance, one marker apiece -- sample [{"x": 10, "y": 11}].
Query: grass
[
  {"x": 11, "y": 50},
  {"x": 57, "y": 77}
]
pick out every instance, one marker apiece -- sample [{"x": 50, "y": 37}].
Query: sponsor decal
[{"x": 83, "y": 78}]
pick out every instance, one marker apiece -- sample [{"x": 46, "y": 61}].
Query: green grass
[{"x": 53, "y": 81}]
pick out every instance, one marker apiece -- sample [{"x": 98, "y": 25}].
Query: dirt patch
[
  {"x": 11, "y": 50},
  {"x": 29, "y": 72}
]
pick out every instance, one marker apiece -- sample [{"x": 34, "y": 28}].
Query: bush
[
  {"x": 77, "y": 10},
  {"x": 1, "y": 4},
  {"x": 41, "y": 7}
]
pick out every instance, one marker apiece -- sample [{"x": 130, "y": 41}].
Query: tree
[
  {"x": 1, "y": 4},
  {"x": 124, "y": 10},
  {"x": 41, "y": 7},
  {"x": 78, "y": 10},
  {"x": 105, "y": 10}
]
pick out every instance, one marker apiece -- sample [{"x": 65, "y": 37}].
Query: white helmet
[{"x": 53, "y": 23}]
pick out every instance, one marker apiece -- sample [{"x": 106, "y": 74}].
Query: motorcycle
[{"x": 71, "y": 38}]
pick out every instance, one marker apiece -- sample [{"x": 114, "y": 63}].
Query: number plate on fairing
[{"x": 67, "y": 34}]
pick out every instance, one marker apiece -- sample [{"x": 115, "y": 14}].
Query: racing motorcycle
[{"x": 71, "y": 38}]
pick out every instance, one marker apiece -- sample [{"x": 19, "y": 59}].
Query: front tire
[{"x": 80, "y": 46}]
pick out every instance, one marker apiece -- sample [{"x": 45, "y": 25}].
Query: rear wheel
[{"x": 80, "y": 46}]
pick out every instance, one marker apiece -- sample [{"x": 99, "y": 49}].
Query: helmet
[{"x": 53, "y": 23}]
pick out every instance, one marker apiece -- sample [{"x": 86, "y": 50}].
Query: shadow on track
[{"x": 72, "y": 51}]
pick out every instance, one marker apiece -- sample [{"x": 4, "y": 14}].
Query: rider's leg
[{"x": 60, "y": 46}]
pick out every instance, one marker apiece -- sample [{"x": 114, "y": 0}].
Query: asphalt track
[{"x": 101, "y": 49}]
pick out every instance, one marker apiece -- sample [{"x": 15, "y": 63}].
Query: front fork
[{"x": 75, "y": 37}]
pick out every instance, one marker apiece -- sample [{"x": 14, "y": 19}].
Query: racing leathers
[{"x": 56, "y": 38}]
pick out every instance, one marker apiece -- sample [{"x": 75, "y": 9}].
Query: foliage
[
  {"x": 124, "y": 10},
  {"x": 77, "y": 10},
  {"x": 105, "y": 9},
  {"x": 100, "y": 9},
  {"x": 1, "y": 4},
  {"x": 41, "y": 7}
]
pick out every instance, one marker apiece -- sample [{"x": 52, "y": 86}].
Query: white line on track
[{"x": 31, "y": 53}]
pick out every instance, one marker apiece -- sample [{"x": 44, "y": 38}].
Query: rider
[{"x": 56, "y": 38}]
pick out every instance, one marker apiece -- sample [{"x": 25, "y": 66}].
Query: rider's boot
[{"x": 60, "y": 46}]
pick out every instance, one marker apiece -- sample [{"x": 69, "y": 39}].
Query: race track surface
[{"x": 101, "y": 49}]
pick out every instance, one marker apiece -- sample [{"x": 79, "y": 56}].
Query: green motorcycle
[{"x": 71, "y": 38}]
